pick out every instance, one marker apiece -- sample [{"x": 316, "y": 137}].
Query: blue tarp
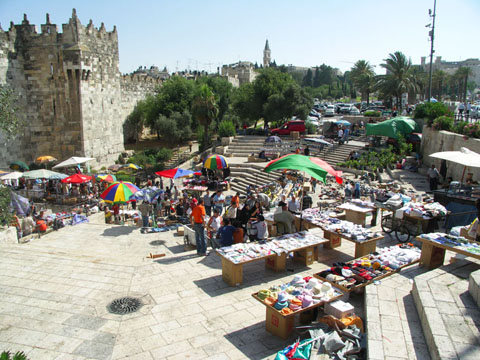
[{"x": 460, "y": 220}]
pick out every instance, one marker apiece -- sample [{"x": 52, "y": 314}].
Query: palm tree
[
  {"x": 439, "y": 78},
  {"x": 205, "y": 108},
  {"x": 363, "y": 78},
  {"x": 7, "y": 355},
  {"x": 398, "y": 79},
  {"x": 463, "y": 73}
]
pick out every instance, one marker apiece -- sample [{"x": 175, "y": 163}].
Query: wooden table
[
  {"x": 232, "y": 273},
  {"x": 361, "y": 247},
  {"x": 433, "y": 253},
  {"x": 359, "y": 214},
  {"x": 281, "y": 325}
]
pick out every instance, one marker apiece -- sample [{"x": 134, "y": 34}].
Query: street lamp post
[{"x": 432, "y": 35}]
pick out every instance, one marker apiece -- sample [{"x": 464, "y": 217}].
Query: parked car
[
  {"x": 475, "y": 112},
  {"x": 329, "y": 111},
  {"x": 354, "y": 111},
  {"x": 314, "y": 113},
  {"x": 345, "y": 109},
  {"x": 288, "y": 127}
]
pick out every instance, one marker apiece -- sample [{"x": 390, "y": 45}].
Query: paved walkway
[{"x": 55, "y": 290}]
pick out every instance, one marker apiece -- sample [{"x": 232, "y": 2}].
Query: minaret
[{"x": 266, "y": 55}]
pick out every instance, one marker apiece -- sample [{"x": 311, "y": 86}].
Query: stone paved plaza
[{"x": 55, "y": 291}]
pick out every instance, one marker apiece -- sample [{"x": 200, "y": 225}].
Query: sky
[{"x": 203, "y": 35}]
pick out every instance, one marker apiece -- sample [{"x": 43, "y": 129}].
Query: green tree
[
  {"x": 439, "y": 79},
  {"x": 223, "y": 91},
  {"x": 363, "y": 78},
  {"x": 205, "y": 109},
  {"x": 10, "y": 123},
  {"x": 243, "y": 103},
  {"x": 5, "y": 211},
  {"x": 326, "y": 75},
  {"x": 316, "y": 78},
  {"x": 398, "y": 79},
  {"x": 308, "y": 79},
  {"x": 463, "y": 73},
  {"x": 136, "y": 120}
]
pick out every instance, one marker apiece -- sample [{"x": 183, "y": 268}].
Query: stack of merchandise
[
  {"x": 364, "y": 270},
  {"x": 345, "y": 228},
  {"x": 457, "y": 242},
  {"x": 238, "y": 253},
  {"x": 363, "y": 203},
  {"x": 300, "y": 293},
  {"x": 422, "y": 210}
]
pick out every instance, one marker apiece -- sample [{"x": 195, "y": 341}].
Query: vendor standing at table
[
  {"x": 198, "y": 222},
  {"x": 145, "y": 209},
  {"x": 293, "y": 205},
  {"x": 236, "y": 199},
  {"x": 433, "y": 176},
  {"x": 225, "y": 235},
  {"x": 207, "y": 201},
  {"x": 218, "y": 201},
  {"x": 284, "y": 220}
]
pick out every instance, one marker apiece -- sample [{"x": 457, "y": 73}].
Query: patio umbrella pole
[{"x": 463, "y": 174}]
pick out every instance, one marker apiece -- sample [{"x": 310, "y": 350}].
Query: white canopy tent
[
  {"x": 15, "y": 175},
  {"x": 73, "y": 161},
  {"x": 465, "y": 157}
]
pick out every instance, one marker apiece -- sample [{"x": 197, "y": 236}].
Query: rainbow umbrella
[
  {"x": 174, "y": 173},
  {"x": 215, "y": 162},
  {"x": 107, "y": 177},
  {"x": 313, "y": 166},
  {"x": 77, "y": 179},
  {"x": 119, "y": 192}
]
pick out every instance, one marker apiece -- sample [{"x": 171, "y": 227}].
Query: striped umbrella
[
  {"x": 107, "y": 177},
  {"x": 215, "y": 162},
  {"x": 174, "y": 173},
  {"x": 119, "y": 192}
]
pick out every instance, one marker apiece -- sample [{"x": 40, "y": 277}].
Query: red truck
[{"x": 288, "y": 127}]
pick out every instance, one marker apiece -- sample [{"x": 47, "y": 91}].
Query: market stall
[
  {"x": 435, "y": 244},
  {"x": 363, "y": 271},
  {"x": 285, "y": 301},
  {"x": 360, "y": 212},
  {"x": 302, "y": 244}
]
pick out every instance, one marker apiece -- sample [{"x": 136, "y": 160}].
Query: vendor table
[
  {"x": 359, "y": 214},
  {"x": 433, "y": 253},
  {"x": 281, "y": 325},
  {"x": 361, "y": 247},
  {"x": 232, "y": 273}
]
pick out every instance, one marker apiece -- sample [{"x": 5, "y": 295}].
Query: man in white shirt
[
  {"x": 262, "y": 229},
  {"x": 293, "y": 205},
  {"x": 218, "y": 201},
  {"x": 433, "y": 175}
]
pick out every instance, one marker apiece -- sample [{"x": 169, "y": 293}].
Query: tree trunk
[
  {"x": 465, "y": 89},
  {"x": 368, "y": 98},
  {"x": 205, "y": 135}
]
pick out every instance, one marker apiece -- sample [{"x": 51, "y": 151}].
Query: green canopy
[
  {"x": 400, "y": 125},
  {"x": 43, "y": 174},
  {"x": 298, "y": 162},
  {"x": 19, "y": 165}
]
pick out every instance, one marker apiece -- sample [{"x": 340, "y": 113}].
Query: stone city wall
[{"x": 435, "y": 141}]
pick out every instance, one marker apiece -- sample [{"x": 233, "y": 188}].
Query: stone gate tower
[
  {"x": 71, "y": 93},
  {"x": 266, "y": 55}
]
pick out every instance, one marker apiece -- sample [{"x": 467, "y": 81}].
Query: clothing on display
[
  {"x": 300, "y": 293},
  {"x": 366, "y": 269},
  {"x": 238, "y": 253},
  {"x": 457, "y": 242}
]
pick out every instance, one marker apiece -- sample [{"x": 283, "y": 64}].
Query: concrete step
[{"x": 449, "y": 315}]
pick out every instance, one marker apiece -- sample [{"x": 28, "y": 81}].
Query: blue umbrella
[
  {"x": 342, "y": 122},
  {"x": 147, "y": 194},
  {"x": 273, "y": 139}
]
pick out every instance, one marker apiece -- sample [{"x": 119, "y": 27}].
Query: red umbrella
[
  {"x": 174, "y": 173},
  {"x": 77, "y": 179},
  {"x": 326, "y": 166}
]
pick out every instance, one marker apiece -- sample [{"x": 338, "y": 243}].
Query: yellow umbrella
[{"x": 45, "y": 159}]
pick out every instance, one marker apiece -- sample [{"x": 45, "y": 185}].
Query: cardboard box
[
  {"x": 180, "y": 230},
  {"x": 339, "y": 309}
]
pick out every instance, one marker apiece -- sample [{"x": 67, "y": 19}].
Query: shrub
[
  {"x": 164, "y": 154},
  {"x": 372, "y": 113},
  {"x": 226, "y": 128},
  {"x": 431, "y": 111},
  {"x": 311, "y": 128},
  {"x": 5, "y": 199},
  {"x": 443, "y": 123}
]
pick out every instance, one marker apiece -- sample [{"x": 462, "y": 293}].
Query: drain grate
[
  {"x": 157, "y": 242},
  {"x": 125, "y": 305}
]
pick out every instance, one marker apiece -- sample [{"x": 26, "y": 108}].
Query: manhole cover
[
  {"x": 157, "y": 242},
  {"x": 125, "y": 305}
]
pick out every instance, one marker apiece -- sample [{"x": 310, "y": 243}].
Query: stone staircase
[
  {"x": 250, "y": 174},
  {"x": 178, "y": 158},
  {"x": 447, "y": 302},
  {"x": 244, "y": 145}
]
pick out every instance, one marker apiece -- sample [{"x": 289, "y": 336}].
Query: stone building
[
  {"x": 451, "y": 66},
  {"x": 70, "y": 91},
  {"x": 239, "y": 73}
]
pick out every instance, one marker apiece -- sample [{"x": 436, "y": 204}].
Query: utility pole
[{"x": 432, "y": 36}]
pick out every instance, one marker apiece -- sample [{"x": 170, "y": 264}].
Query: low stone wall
[{"x": 435, "y": 141}]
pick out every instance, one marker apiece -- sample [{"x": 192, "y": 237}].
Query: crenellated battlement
[
  {"x": 141, "y": 78},
  {"x": 72, "y": 32}
]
